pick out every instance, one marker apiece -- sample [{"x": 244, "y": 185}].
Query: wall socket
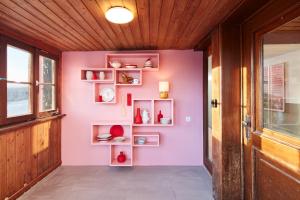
[{"x": 188, "y": 118}]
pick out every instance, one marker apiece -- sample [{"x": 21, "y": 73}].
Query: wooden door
[{"x": 271, "y": 76}]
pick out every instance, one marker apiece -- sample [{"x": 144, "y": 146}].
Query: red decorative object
[
  {"x": 121, "y": 157},
  {"x": 116, "y": 131},
  {"x": 95, "y": 76},
  {"x": 159, "y": 116},
  {"x": 100, "y": 98},
  {"x": 128, "y": 99},
  {"x": 138, "y": 117}
]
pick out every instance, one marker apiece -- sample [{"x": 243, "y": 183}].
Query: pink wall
[{"x": 180, "y": 145}]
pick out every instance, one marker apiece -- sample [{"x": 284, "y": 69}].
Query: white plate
[
  {"x": 104, "y": 136},
  {"x": 119, "y": 139},
  {"x": 130, "y": 66},
  {"x": 108, "y": 94}
]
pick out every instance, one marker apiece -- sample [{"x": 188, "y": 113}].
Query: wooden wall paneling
[
  {"x": 43, "y": 151},
  {"x": 231, "y": 106},
  {"x": 34, "y": 150},
  {"x": 20, "y": 158},
  {"x": 3, "y": 166},
  {"x": 59, "y": 140},
  {"x": 11, "y": 185}
]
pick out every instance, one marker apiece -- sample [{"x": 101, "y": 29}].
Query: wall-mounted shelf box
[
  {"x": 98, "y": 87},
  {"x": 138, "y": 59},
  {"x": 152, "y": 139},
  {"x": 134, "y": 73},
  {"x": 154, "y": 106},
  {"x": 109, "y": 75}
]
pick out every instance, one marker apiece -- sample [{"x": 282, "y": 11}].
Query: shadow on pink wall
[{"x": 180, "y": 145}]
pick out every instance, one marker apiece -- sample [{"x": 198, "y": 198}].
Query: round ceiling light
[{"x": 119, "y": 15}]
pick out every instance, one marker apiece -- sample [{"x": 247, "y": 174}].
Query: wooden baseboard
[{"x": 33, "y": 182}]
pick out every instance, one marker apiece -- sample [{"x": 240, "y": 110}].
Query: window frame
[
  {"x": 36, "y": 53},
  {"x": 47, "y": 113},
  {"x": 15, "y": 119}
]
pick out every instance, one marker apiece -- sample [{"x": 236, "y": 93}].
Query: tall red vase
[
  {"x": 138, "y": 117},
  {"x": 159, "y": 116}
]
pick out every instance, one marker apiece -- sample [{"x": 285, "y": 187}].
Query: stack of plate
[{"x": 104, "y": 137}]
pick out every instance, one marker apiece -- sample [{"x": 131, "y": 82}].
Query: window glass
[
  {"x": 281, "y": 79},
  {"x": 19, "y": 95},
  {"x": 18, "y": 64},
  {"x": 47, "y": 84}
]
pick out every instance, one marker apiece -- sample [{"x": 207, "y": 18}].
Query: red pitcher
[{"x": 121, "y": 157}]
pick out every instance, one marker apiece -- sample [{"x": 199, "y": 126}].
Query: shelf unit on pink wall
[
  {"x": 138, "y": 59},
  {"x": 152, "y": 139},
  {"x": 153, "y": 106},
  {"x": 109, "y": 75},
  {"x": 134, "y": 73}
]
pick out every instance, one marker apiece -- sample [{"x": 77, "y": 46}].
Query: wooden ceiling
[{"x": 80, "y": 24}]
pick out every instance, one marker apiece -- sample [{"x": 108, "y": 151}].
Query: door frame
[{"x": 206, "y": 53}]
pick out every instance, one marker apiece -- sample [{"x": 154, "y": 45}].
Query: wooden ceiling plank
[
  {"x": 68, "y": 8},
  {"x": 90, "y": 20},
  {"x": 190, "y": 9},
  {"x": 179, "y": 12},
  {"x": 198, "y": 17},
  {"x": 49, "y": 17},
  {"x": 166, "y": 12},
  {"x": 97, "y": 13},
  {"x": 105, "y": 5},
  {"x": 40, "y": 14},
  {"x": 125, "y": 27},
  {"x": 215, "y": 14},
  {"x": 14, "y": 15},
  {"x": 134, "y": 25},
  {"x": 69, "y": 21},
  {"x": 143, "y": 12},
  {"x": 155, "y": 11},
  {"x": 26, "y": 30}
]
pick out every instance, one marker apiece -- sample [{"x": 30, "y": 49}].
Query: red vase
[
  {"x": 159, "y": 116},
  {"x": 138, "y": 117},
  {"x": 121, "y": 157},
  {"x": 95, "y": 76}
]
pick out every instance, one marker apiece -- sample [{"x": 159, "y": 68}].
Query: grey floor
[{"x": 137, "y": 183}]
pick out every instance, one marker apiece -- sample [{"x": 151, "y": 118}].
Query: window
[
  {"x": 28, "y": 83},
  {"x": 47, "y": 71},
  {"x": 19, "y": 82}
]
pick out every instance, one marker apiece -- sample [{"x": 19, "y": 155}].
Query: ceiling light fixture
[{"x": 119, "y": 15}]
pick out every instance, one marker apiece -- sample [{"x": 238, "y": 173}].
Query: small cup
[{"x": 135, "y": 81}]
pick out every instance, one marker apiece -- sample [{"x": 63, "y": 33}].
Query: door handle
[
  {"x": 214, "y": 103},
  {"x": 247, "y": 125}
]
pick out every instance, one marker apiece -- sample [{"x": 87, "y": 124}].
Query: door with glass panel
[{"x": 272, "y": 137}]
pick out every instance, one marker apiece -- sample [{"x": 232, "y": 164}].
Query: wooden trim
[
  {"x": 33, "y": 182},
  {"x": 207, "y": 162},
  {"x": 14, "y": 127}
]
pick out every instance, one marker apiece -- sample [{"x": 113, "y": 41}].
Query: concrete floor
[{"x": 137, "y": 183}]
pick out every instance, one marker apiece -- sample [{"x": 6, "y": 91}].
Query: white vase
[
  {"x": 89, "y": 75},
  {"x": 145, "y": 117},
  {"x": 101, "y": 75}
]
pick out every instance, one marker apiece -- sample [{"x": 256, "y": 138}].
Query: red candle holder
[{"x": 100, "y": 98}]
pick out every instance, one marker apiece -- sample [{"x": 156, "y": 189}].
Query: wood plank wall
[{"x": 27, "y": 155}]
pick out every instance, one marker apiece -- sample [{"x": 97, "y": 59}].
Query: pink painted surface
[{"x": 180, "y": 144}]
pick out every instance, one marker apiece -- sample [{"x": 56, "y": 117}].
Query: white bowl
[
  {"x": 115, "y": 64},
  {"x": 165, "y": 120}
]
